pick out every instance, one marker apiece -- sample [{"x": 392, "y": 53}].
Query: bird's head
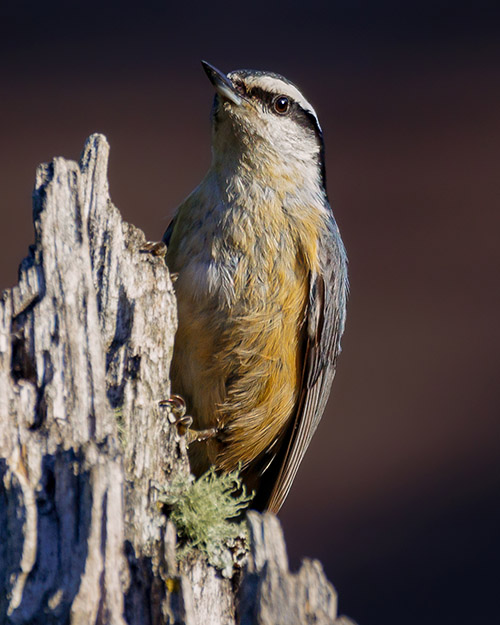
[{"x": 263, "y": 124}]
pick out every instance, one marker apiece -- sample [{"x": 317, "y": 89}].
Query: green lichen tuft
[{"x": 205, "y": 514}]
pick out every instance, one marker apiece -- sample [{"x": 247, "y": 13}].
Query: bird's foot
[
  {"x": 183, "y": 422},
  {"x": 176, "y": 403},
  {"x": 156, "y": 248},
  {"x": 178, "y": 407},
  {"x": 198, "y": 436}
]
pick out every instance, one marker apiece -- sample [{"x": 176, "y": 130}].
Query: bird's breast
[
  {"x": 246, "y": 252},
  {"x": 242, "y": 291}
]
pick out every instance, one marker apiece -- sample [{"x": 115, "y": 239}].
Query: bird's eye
[{"x": 281, "y": 104}]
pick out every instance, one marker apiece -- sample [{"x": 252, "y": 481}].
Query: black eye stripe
[
  {"x": 240, "y": 86},
  {"x": 265, "y": 97},
  {"x": 304, "y": 117}
]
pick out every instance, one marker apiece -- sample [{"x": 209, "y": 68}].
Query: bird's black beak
[{"x": 222, "y": 83}]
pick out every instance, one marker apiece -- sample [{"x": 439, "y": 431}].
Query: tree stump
[{"x": 86, "y": 448}]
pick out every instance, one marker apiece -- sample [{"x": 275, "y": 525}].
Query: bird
[{"x": 261, "y": 285}]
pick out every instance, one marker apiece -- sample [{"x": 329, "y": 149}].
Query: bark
[{"x": 86, "y": 448}]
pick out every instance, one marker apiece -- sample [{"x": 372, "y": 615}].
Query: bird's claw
[
  {"x": 177, "y": 406},
  {"x": 156, "y": 248},
  {"x": 176, "y": 403},
  {"x": 184, "y": 422}
]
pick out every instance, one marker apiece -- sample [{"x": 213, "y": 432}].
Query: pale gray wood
[
  {"x": 86, "y": 340},
  {"x": 271, "y": 594}
]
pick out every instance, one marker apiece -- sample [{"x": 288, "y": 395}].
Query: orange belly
[
  {"x": 239, "y": 366},
  {"x": 242, "y": 291}
]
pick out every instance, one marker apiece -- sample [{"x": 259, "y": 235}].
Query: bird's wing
[
  {"x": 325, "y": 324},
  {"x": 168, "y": 232}
]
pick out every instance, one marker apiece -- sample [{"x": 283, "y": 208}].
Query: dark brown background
[{"x": 398, "y": 495}]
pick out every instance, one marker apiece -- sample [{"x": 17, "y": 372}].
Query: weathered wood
[{"x": 86, "y": 340}]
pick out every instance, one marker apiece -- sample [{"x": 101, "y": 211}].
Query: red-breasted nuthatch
[{"x": 261, "y": 286}]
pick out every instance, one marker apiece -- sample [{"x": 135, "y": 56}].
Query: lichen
[{"x": 207, "y": 515}]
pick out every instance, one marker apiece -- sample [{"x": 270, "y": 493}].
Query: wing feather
[
  {"x": 325, "y": 325},
  {"x": 168, "y": 232}
]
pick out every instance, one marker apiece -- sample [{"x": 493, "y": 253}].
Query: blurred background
[{"x": 399, "y": 493}]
